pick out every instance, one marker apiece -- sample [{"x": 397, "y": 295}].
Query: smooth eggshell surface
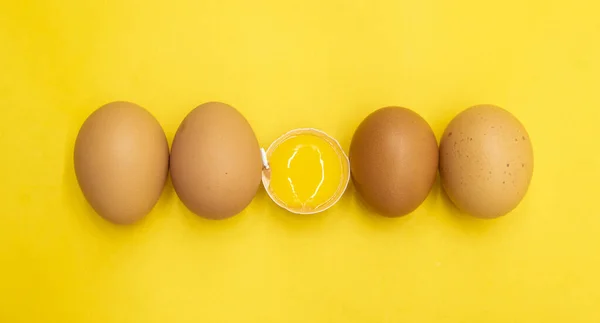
[
  {"x": 486, "y": 161},
  {"x": 121, "y": 161},
  {"x": 393, "y": 160},
  {"x": 216, "y": 164}
]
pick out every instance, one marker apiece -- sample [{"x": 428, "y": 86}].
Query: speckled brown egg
[
  {"x": 215, "y": 161},
  {"x": 486, "y": 161},
  {"x": 393, "y": 160},
  {"x": 121, "y": 161}
]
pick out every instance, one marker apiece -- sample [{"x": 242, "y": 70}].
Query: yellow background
[{"x": 287, "y": 64}]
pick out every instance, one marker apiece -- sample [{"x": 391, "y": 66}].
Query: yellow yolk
[{"x": 306, "y": 172}]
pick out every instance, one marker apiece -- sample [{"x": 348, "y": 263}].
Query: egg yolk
[{"x": 306, "y": 172}]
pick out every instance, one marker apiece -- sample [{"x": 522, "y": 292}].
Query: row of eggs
[{"x": 122, "y": 161}]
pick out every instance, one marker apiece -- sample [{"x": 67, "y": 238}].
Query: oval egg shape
[
  {"x": 121, "y": 161},
  {"x": 486, "y": 161},
  {"x": 216, "y": 163},
  {"x": 393, "y": 160}
]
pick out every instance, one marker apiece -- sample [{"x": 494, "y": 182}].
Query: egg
[
  {"x": 216, "y": 163},
  {"x": 393, "y": 160},
  {"x": 486, "y": 161},
  {"x": 121, "y": 161}
]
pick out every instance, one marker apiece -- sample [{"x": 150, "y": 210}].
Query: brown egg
[
  {"x": 486, "y": 161},
  {"x": 393, "y": 159},
  {"x": 121, "y": 161},
  {"x": 215, "y": 161}
]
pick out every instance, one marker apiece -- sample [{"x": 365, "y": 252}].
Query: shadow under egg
[
  {"x": 463, "y": 220},
  {"x": 370, "y": 217}
]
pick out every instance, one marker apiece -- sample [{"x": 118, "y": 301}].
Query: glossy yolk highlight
[{"x": 306, "y": 172}]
